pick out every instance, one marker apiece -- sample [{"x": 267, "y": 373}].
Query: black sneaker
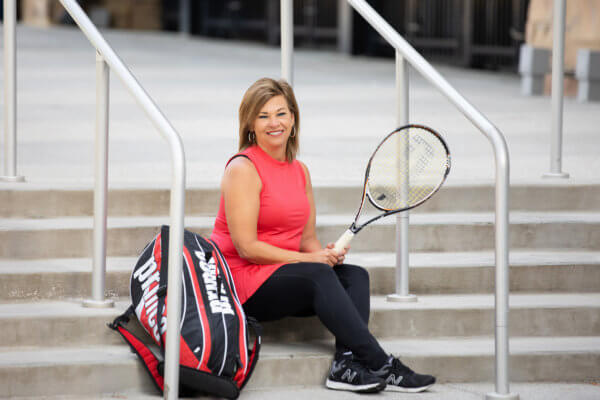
[
  {"x": 348, "y": 374},
  {"x": 400, "y": 378}
]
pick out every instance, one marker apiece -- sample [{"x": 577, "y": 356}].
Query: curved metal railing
[
  {"x": 10, "y": 93},
  {"x": 406, "y": 53},
  {"x": 106, "y": 57}
]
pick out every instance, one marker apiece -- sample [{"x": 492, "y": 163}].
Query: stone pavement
[
  {"x": 465, "y": 391},
  {"x": 457, "y": 391},
  {"x": 347, "y": 105}
]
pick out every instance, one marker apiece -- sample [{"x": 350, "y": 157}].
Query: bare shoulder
[
  {"x": 241, "y": 170},
  {"x": 240, "y": 164},
  {"x": 304, "y": 168},
  {"x": 306, "y": 173}
]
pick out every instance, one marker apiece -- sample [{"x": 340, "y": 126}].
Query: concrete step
[
  {"x": 46, "y": 201},
  {"x": 71, "y": 236},
  {"x": 431, "y": 273},
  {"x": 61, "y": 278},
  {"x": 107, "y": 369},
  {"x": 62, "y": 323},
  {"x": 40, "y": 201},
  {"x": 474, "y": 272},
  {"x": 440, "y": 391},
  {"x": 462, "y": 315}
]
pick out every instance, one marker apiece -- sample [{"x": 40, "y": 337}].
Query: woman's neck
[{"x": 277, "y": 153}]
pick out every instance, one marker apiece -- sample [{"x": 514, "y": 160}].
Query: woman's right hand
[{"x": 324, "y": 256}]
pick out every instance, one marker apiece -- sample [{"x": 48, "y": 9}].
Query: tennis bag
[{"x": 215, "y": 358}]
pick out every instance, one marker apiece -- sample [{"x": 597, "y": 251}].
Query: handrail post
[
  {"x": 558, "y": 68},
  {"x": 402, "y": 219},
  {"x": 287, "y": 40},
  {"x": 10, "y": 93},
  {"x": 502, "y": 184},
  {"x": 100, "y": 187},
  {"x": 171, "y": 387},
  {"x": 174, "y": 303},
  {"x": 502, "y": 243}
]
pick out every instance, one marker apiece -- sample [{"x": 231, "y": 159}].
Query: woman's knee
[
  {"x": 309, "y": 268},
  {"x": 318, "y": 274},
  {"x": 353, "y": 272},
  {"x": 321, "y": 271},
  {"x": 309, "y": 273}
]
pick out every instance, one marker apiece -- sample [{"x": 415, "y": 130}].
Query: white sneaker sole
[
  {"x": 394, "y": 388},
  {"x": 372, "y": 387}
]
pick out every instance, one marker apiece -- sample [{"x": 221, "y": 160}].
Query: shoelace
[
  {"x": 398, "y": 366},
  {"x": 356, "y": 366}
]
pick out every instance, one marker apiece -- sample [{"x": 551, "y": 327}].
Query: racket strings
[{"x": 406, "y": 169}]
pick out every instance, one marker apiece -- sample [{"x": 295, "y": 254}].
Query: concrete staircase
[{"x": 53, "y": 346}]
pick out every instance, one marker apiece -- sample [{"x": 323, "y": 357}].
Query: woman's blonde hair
[{"x": 254, "y": 99}]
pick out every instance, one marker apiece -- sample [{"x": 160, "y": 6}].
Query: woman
[{"x": 266, "y": 230}]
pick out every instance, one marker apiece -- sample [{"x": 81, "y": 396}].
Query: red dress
[{"x": 283, "y": 214}]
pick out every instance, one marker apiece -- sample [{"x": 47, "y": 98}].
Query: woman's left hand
[{"x": 341, "y": 255}]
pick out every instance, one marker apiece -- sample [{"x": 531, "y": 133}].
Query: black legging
[{"x": 339, "y": 296}]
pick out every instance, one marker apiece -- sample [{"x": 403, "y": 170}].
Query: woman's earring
[
  {"x": 293, "y": 131},
  {"x": 250, "y": 137}
]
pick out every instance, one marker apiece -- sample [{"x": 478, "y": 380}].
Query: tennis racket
[{"x": 406, "y": 169}]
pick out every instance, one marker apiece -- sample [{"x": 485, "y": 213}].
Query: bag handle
[{"x": 164, "y": 277}]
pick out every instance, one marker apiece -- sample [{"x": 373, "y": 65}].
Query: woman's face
[{"x": 274, "y": 123}]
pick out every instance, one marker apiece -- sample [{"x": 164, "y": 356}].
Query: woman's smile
[{"x": 273, "y": 126}]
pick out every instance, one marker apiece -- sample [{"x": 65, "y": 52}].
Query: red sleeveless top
[{"x": 283, "y": 214}]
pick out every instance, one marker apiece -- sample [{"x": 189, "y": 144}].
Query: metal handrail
[
  {"x": 287, "y": 40},
  {"x": 100, "y": 187},
  {"x": 10, "y": 94},
  {"x": 402, "y": 293},
  {"x": 502, "y": 183},
  {"x": 405, "y": 52},
  {"x": 558, "y": 72},
  {"x": 177, "y": 189}
]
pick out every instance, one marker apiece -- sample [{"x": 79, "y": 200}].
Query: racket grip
[{"x": 343, "y": 241}]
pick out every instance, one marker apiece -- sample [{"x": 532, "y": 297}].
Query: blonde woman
[{"x": 266, "y": 230}]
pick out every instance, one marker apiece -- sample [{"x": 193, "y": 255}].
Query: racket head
[{"x": 406, "y": 169}]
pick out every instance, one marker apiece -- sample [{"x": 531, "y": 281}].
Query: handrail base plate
[
  {"x": 89, "y": 303},
  {"x": 399, "y": 298},
  {"x": 498, "y": 396},
  {"x": 16, "y": 178},
  {"x": 560, "y": 175}
]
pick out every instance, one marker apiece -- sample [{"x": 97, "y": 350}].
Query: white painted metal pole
[
  {"x": 10, "y": 93},
  {"x": 501, "y": 342},
  {"x": 287, "y": 40},
  {"x": 171, "y": 389},
  {"x": 402, "y": 219},
  {"x": 558, "y": 68},
  {"x": 100, "y": 188},
  {"x": 344, "y": 27},
  {"x": 174, "y": 304},
  {"x": 502, "y": 162}
]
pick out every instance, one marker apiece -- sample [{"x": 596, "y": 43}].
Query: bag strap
[
  {"x": 164, "y": 276},
  {"x": 147, "y": 357},
  {"x": 253, "y": 357}
]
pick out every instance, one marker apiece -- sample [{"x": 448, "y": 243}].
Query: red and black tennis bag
[{"x": 215, "y": 358}]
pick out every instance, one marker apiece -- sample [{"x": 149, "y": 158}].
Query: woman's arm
[
  {"x": 310, "y": 242},
  {"x": 241, "y": 188}
]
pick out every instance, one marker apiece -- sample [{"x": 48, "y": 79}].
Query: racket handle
[{"x": 343, "y": 241}]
